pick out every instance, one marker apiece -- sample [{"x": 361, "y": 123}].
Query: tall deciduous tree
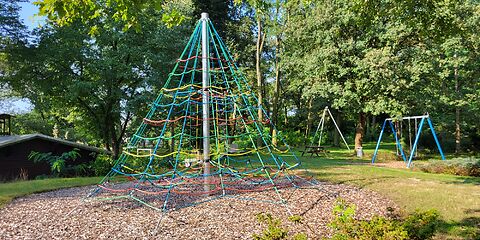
[
  {"x": 12, "y": 32},
  {"x": 278, "y": 24},
  {"x": 100, "y": 82},
  {"x": 11, "y": 26},
  {"x": 367, "y": 57},
  {"x": 126, "y": 12}
]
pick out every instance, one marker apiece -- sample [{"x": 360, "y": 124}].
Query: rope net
[{"x": 165, "y": 159}]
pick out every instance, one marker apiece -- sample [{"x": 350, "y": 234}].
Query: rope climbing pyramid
[{"x": 202, "y": 138}]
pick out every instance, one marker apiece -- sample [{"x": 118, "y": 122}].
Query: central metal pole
[{"x": 205, "y": 99}]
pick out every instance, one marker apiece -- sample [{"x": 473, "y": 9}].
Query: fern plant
[{"x": 58, "y": 163}]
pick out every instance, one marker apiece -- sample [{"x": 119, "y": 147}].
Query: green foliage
[
  {"x": 295, "y": 219},
  {"x": 344, "y": 223},
  {"x": 173, "y": 19},
  {"x": 58, "y": 163},
  {"x": 93, "y": 87},
  {"x": 128, "y": 12},
  {"x": 381, "y": 228},
  {"x": 384, "y": 58},
  {"x": 421, "y": 225},
  {"x": 102, "y": 165},
  {"x": 295, "y": 138},
  {"x": 274, "y": 230},
  {"x": 11, "y": 27},
  {"x": 458, "y": 166}
]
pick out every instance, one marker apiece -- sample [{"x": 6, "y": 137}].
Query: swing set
[
  {"x": 319, "y": 148},
  {"x": 397, "y": 124}
]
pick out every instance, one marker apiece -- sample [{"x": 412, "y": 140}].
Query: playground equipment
[
  {"x": 418, "y": 131},
  {"x": 312, "y": 148},
  {"x": 218, "y": 147}
]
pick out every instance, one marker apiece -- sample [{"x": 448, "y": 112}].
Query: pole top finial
[{"x": 204, "y": 15}]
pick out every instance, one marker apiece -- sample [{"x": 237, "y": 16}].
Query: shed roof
[{"x": 14, "y": 139}]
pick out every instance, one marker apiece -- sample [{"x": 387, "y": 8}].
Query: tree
[
  {"x": 457, "y": 67},
  {"x": 12, "y": 32},
  {"x": 278, "y": 23},
  {"x": 366, "y": 57},
  {"x": 218, "y": 11},
  {"x": 128, "y": 12},
  {"x": 11, "y": 26},
  {"x": 97, "y": 82}
]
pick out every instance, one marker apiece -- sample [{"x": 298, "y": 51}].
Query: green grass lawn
[{"x": 11, "y": 190}]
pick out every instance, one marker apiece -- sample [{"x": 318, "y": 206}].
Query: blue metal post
[
  {"x": 435, "y": 137},
  {"x": 414, "y": 148},
  {"x": 378, "y": 142},
  {"x": 397, "y": 141}
]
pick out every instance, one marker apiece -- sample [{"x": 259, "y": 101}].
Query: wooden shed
[{"x": 14, "y": 151}]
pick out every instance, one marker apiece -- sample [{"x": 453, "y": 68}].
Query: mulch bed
[{"x": 62, "y": 214}]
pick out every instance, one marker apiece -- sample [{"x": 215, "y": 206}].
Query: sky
[{"x": 27, "y": 14}]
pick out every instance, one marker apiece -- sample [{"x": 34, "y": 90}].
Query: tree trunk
[
  {"x": 276, "y": 91},
  {"x": 116, "y": 146},
  {"x": 373, "y": 127},
  {"x": 368, "y": 128},
  {"x": 116, "y": 143},
  {"x": 309, "y": 117},
  {"x": 458, "y": 136},
  {"x": 360, "y": 132},
  {"x": 259, "y": 74}
]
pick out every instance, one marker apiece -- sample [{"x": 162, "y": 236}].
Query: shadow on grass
[
  {"x": 334, "y": 176},
  {"x": 322, "y": 164},
  {"x": 466, "y": 180},
  {"x": 467, "y": 228}
]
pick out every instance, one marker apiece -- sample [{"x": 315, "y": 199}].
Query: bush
[
  {"x": 295, "y": 138},
  {"x": 102, "y": 165},
  {"x": 59, "y": 163},
  {"x": 420, "y": 225},
  {"x": 457, "y": 166},
  {"x": 345, "y": 225},
  {"x": 274, "y": 230}
]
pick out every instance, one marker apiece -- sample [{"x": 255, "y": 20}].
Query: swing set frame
[
  {"x": 321, "y": 124},
  {"x": 413, "y": 148}
]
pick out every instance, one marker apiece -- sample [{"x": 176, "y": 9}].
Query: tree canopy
[{"x": 93, "y": 67}]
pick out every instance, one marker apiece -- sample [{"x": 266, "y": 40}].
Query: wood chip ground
[{"x": 62, "y": 214}]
